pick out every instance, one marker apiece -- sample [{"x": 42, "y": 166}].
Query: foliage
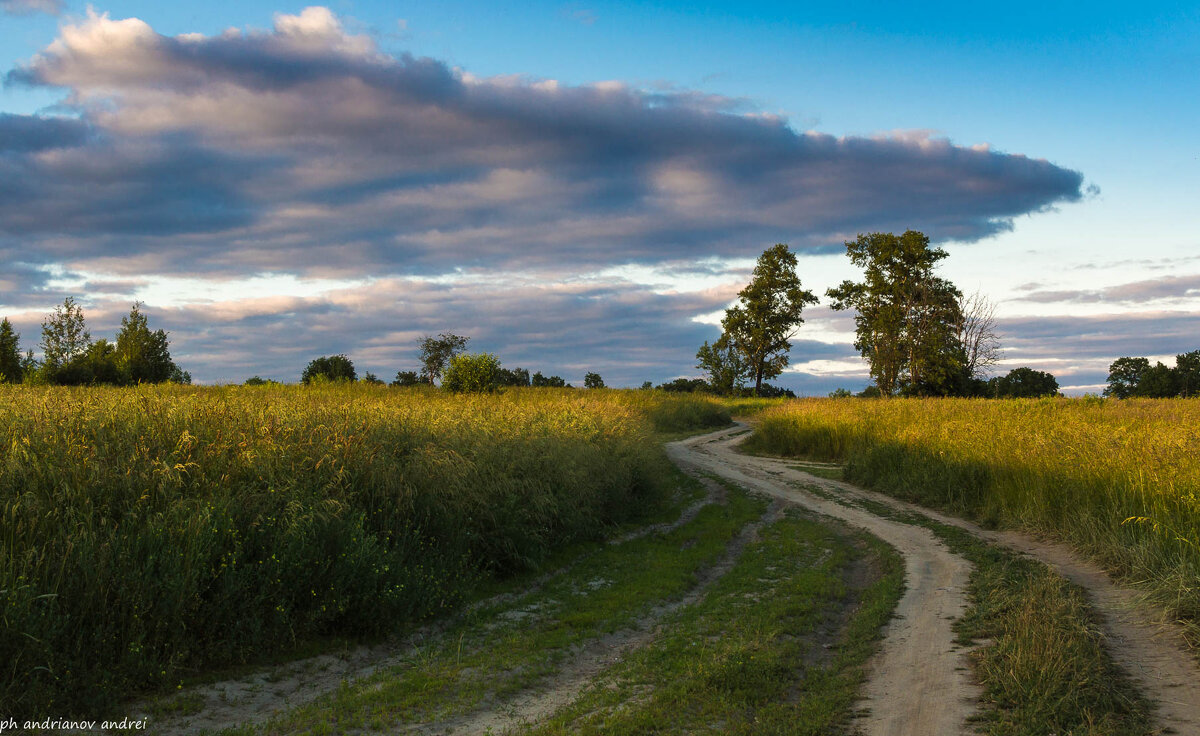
[
  {"x": 11, "y": 370},
  {"x": 767, "y": 315},
  {"x": 593, "y": 380},
  {"x": 906, "y": 318},
  {"x": 1076, "y": 468},
  {"x": 142, "y": 355},
  {"x": 514, "y": 377},
  {"x": 1023, "y": 383},
  {"x": 540, "y": 381},
  {"x": 328, "y": 368},
  {"x": 1124, "y": 375},
  {"x": 153, "y": 530},
  {"x": 727, "y": 369},
  {"x": 260, "y": 381},
  {"x": 64, "y": 338},
  {"x": 841, "y": 393},
  {"x": 472, "y": 372},
  {"x": 372, "y": 379},
  {"x": 686, "y": 385},
  {"x": 407, "y": 378},
  {"x": 436, "y": 353},
  {"x": 1129, "y": 377}
]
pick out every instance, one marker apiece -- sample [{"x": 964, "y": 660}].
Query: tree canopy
[
  {"x": 906, "y": 318},
  {"x": 436, "y": 353},
  {"x": 760, "y": 326},
  {"x": 329, "y": 368}
]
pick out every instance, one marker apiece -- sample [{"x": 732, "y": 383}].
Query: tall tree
[
  {"x": 760, "y": 327},
  {"x": 10, "y": 354},
  {"x": 907, "y": 318},
  {"x": 436, "y": 353},
  {"x": 1187, "y": 368},
  {"x": 727, "y": 370},
  {"x": 64, "y": 336},
  {"x": 142, "y": 355},
  {"x": 1124, "y": 375},
  {"x": 1158, "y": 382}
]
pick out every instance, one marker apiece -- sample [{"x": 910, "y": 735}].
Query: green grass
[
  {"x": 1118, "y": 480},
  {"x": 1042, "y": 663},
  {"x": 500, "y": 650},
  {"x": 150, "y": 533},
  {"x": 777, "y": 646}
]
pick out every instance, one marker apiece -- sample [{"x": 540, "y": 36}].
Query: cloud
[
  {"x": 1173, "y": 288},
  {"x": 306, "y": 149},
  {"x": 29, "y": 7}
]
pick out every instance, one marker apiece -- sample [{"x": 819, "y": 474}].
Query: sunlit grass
[{"x": 1117, "y": 479}]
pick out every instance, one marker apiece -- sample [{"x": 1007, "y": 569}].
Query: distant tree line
[
  {"x": 71, "y": 358},
  {"x": 443, "y": 359},
  {"x": 1135, "y": 377}
]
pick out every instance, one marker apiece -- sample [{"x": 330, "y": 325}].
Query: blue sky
[{"x": 299, "y": 187}]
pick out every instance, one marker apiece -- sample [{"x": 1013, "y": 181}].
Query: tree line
[
  {"x": 71, "y": 358},
  {"x": 1135, "y": 377},
  {"x": 443, "y": 359}
]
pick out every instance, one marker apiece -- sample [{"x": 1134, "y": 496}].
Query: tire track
[{"x": 919, "y": 683}]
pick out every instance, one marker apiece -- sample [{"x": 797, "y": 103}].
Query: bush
[{"x": 472, "y": 372}]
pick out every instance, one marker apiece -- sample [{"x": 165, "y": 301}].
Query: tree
[
  {"x": 540, "y": 381},
  {"x": 593, "y": 380},
  {"x": 260, "y": 381},
  {"x": 1024, "y": 383},
  {"x": 329, "y": 368},
  {"x": 407, "y": 378},
  {"x": 1157, "y": 382},
  {"x": 727, "y": 369},
  {"x": 977, "y": 334},
  {"x": 761, "y": 325},
  {"x": 436, "y": 353},
  {"x": 647, "y": 385},
  {"x": 64, "y": 337},
  {"x": 372, "y": 379},
  {"x": 11, "y": 370},
  {"x": 686, "y": 385},
  {"x": 467, "y": 372},
  {"x": 1187, "y": 369},
  {"x": 99, "y": 364},
  {"x": 142, "y": 355},
  {"x": 514, "y": 377},
  {"x": 1124, "y": 375},
  {"x": 907, "y": 319}
]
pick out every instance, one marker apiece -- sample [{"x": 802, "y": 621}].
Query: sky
[{"x": 585, "y": 186}]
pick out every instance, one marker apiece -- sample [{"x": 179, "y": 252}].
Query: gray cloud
[
  {"x": 29, "y": 7},
  {"x": 1134, "y": 292},
  {"x": 305, "y": 149}
]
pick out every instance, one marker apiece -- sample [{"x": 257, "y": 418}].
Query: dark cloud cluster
[
  {"x": 1134, "y": 292},
  {"x": 305, "y": 149}
]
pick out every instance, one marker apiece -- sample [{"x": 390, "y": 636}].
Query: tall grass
[
  {"x": 1119, "y": 480},
  {"x": 148, "y": 532}
]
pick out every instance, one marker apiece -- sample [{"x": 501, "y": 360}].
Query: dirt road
[{"x": 920, "y": 682}]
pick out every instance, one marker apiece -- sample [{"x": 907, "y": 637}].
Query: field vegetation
[
  {"x": 1117, "y": 479},
  {"x": 149, "y": 532}
]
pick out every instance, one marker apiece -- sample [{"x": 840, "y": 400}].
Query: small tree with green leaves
[
  {"x": 761, "y": 325},
  {"x": 472, "y": 373},
  {"x": 727, "y": 368},
  {"x": 329, "y": 368},
  {"x": 64, "y": 338},
  {"x": 1124, "y": 375},
  {"x": 11, "y": 370},
  {"x": 593, "y": 380},
  {"x": 1024, "y": 382},
  {"x": 436, "y": 353},
  {"x": 142, "y": 355},
  {"x": 407, "y": 378}
]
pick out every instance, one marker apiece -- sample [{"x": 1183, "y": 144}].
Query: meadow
[
  {"x": 149, "y": 533},
  {"x": 1118, "y": 479}
]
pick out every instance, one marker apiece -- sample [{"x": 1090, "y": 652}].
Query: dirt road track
[
  {"x": 920, "y": 683},
  {"x": 1152, "y": 652}
]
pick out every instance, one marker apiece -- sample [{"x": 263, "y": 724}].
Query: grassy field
[
  {"x": 148, "y": 533},
  {"x": 1117, "y": 479}
]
